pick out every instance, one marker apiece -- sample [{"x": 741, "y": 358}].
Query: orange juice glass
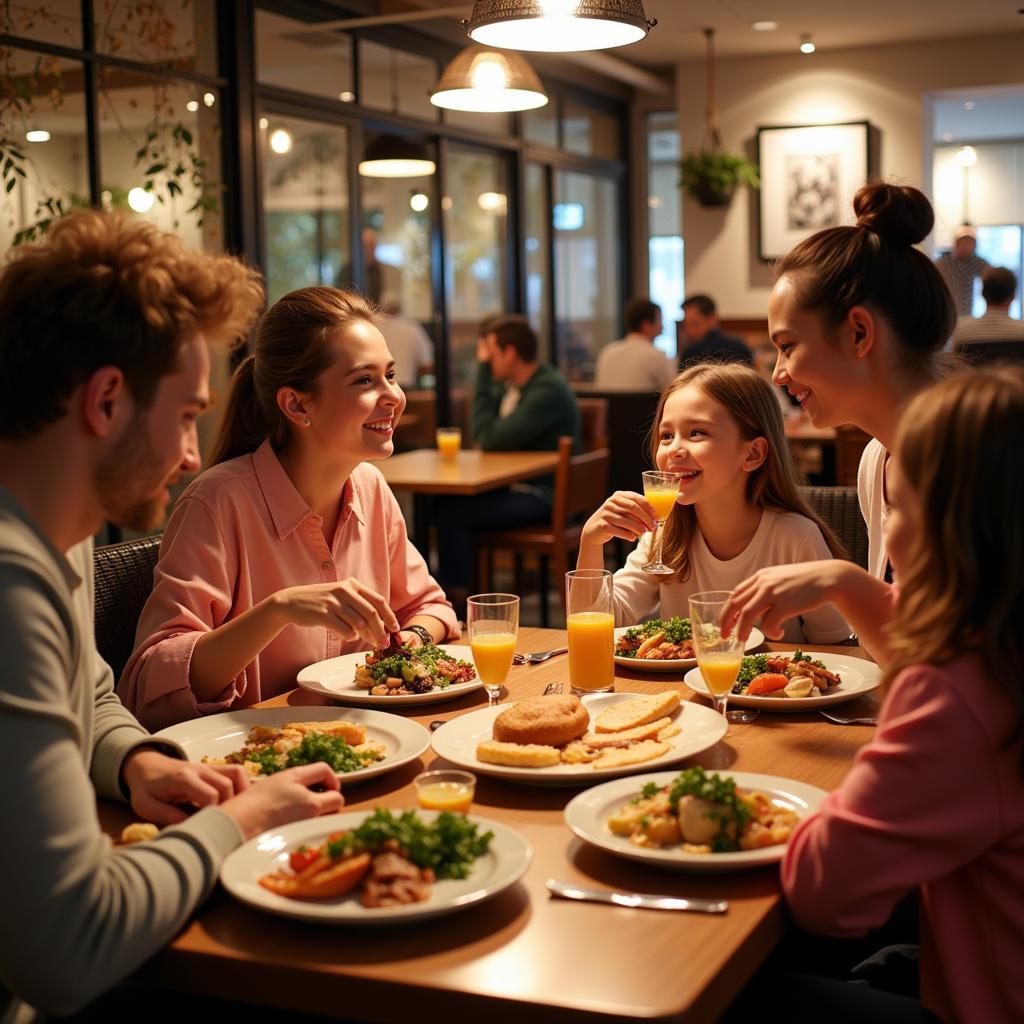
[
  {"x": 449, "y": 441},
  {"x": 718, "y": 657},
  {"x": 445, "y": 791},
  {"x": 493, "y": 621},
  {"x": 590, "y": 622},
  {"x": 661, "y": 490}
]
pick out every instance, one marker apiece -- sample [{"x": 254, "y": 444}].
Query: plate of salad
[
  {"x": 796, "y": 680},
  {"x": 358, "y": 744},
  {"x": 662, "y": 645},
  {"x": 394, "y": 676}
]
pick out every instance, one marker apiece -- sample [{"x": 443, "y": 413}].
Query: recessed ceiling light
[
  {"x": 192, "y": 106},
  {"x": 346, "y": 96},
  {"x": 969, "y": 105},
  {"x": 764, "y": 26},
  {"x": 280, "y": 141},
  {"x": 37, "y": 135},
  {"x": 209, "y": 99},
  {"x": 264, "y": 124},
  {"x": 806, "y": 46}
]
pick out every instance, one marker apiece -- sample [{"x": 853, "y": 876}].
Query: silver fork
[
  {"x": 843, "y": 720},
  {"x": 537, "y": 657}
]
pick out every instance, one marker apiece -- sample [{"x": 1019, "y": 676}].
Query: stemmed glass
[
  {"x": 493, "y": 621},
  {"x": 661, "y": 490},
  {"x": 718, "y": 657}
]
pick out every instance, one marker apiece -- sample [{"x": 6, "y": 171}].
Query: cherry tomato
[{"x": 301, "y": 858}]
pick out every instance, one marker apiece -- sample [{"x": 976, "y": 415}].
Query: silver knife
[{"x": 635, "y": 899}]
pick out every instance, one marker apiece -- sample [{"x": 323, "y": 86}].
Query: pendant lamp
[
  {"x": 392, "y": 156},
  {"x": 487, "y": 81},
  {"x": 558, "y": 26}
]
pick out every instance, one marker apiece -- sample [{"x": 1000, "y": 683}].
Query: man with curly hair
[{"x": 104, "y": 360}]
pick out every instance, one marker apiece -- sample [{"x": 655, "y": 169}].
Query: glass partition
[
  {"x": 538, "y": 255},
  {"x": 294, "y": 55},
  {"x": 588, "y": 279}
]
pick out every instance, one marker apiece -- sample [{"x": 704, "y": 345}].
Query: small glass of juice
[
  {"x": 445, "y": 791},
  {"x": 718, "y": 657},
  {"x": 590, "y": 623},
  {"x": 449, "y": 441}
]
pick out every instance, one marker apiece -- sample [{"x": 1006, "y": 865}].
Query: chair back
[
  {"x": 840, "y": 510},
  {"x": 593, "y": 423},
  {"x": 581, "y": 484},
  {"x": 985, "y": 353},
  {"x": 124, "y": 579},
  {"x": 850, "y": 445}
]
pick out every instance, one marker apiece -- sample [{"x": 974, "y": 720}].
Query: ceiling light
[
  {"x": 264, "y": 124},
  {"x": 192, "y": 106},
  {"x": 37, "y": 135},
  {"x": 391, "y": 156},
  {"x": 967, "y": 156},
  {"x": 418, "y": 202},
  {"x": 558, "y": 26},
  {"x": 764, "y": 26},
  {"x": 280, "y": 140},
  {"x": 969, "y": 105},
  {"x": 209, "y": 99},
  {"x": 806, "y": 46},
  {"x": 346, "y": 96},
  {"x": 140, "y": 200},
  {"x": 492, "y": 202},
  {"x": 486, "y": 81}
]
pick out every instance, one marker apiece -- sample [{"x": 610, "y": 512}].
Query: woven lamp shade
[
  {"x": 488, "y": 81},
  {"x": 558, "y": 26}
]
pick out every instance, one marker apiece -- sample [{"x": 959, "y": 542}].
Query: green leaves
[{"x": 710, "y": 170}]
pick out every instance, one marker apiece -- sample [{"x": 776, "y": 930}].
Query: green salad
[{"x": 675, "y": 631}]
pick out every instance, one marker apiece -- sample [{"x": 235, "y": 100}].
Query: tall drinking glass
[
  {"x": 719, "y": 658},
  {"x": 493, "y": 621},
  {"x": 590, "y": 621},
  {"x": 661, "y": 490}
]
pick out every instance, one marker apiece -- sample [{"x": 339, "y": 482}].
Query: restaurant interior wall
[{"x": 885, "y": 85}]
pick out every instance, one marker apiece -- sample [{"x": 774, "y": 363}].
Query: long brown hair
[
  {"x": 773, "y": 486},
  {"x": 875, "y": 264},
  {"x": 292, "y": 348},
  {"x": 962, "y": 589}
]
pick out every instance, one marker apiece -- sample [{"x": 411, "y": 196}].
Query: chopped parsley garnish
[
  {"x": 448, "y": 845},
  {"x": 716, "y": 790},
  {"x": 315, "y": 746},
  {"x": 677, "y": 629}
]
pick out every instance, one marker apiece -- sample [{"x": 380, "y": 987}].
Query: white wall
[{"x": 886, "y": 85}]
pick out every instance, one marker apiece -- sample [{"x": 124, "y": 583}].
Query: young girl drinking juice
[
  {"x": 936, "y": 801},
  {"x": 718, "y": 426}
]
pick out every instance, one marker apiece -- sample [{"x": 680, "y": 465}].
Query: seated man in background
[
  {"x": 705, "y": 342},
  {"x": 998, "y": 287},
  {"x": 519, "y": 405},
  {"x": 103, "y": 371},
  {"x": 633, "y": 363}
]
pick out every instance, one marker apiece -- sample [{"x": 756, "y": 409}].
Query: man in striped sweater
[{"x": 960, "y": 267}]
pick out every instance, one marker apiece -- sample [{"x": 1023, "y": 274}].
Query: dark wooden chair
[
  {"x": 124, "y": 579},
  {"x": 594, "y": 423},
  {"x": 581, "y": 484},
  {"x": 850, "y": 445},
  {"x": 839, "y": 508}
]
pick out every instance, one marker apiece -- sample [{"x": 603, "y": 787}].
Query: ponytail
[{"x": 244, "y": 425}]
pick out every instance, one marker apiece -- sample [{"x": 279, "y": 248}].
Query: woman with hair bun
[
  {"x": 291, "y": 548},
  {"x": 859, "y": 316}
]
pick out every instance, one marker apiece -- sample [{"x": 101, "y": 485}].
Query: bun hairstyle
[
  {"x": 291, "y": 349},
  {"x": 875, "y": 264}
]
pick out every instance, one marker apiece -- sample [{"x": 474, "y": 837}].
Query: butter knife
[{"x": 635, "y": 899}]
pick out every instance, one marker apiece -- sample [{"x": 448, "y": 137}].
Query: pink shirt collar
[{"x": 288, "y": 509}]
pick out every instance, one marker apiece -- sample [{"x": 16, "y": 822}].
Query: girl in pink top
[
  {"x": 291, "y": 548},
  {"x": 936, "y": 801}
]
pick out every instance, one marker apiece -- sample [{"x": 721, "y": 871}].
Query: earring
[{"x": 305, "y": 421}]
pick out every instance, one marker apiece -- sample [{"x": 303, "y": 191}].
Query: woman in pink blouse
[
  {"x": 936, "y": 801},
  {"x": 291, "y": 548}
]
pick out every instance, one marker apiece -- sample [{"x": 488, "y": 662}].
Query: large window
[
  {"x": 538, "y": 255},
  {"x": 588, "y": 277},
  {"x": 305, "y": 204},
  {"x": 476, "y": 217},
  {"x": 291, "y": 55},
  {"x": 664, "y": 225}
]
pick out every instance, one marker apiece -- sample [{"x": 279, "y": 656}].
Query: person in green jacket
[{"x": 519, "y": 405}]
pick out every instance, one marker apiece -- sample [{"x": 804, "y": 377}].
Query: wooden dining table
[
  {"x": 523, "y": 955},
  {"x": 425, "y": 472}
]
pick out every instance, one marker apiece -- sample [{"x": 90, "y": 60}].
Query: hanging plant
[
  {"x": 708, "y": 174},
  {"x": 167, "y": 157}
]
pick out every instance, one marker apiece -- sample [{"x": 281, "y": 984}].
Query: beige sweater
[{"x": 77, "y": 915}]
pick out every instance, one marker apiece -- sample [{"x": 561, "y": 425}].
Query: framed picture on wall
[{"x": 809, "y": 174}]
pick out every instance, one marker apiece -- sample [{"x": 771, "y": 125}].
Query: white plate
[
  {"x": 502, "y": 865},
  {"x": 858, "y": 678},
  {"x": 587, "y": 815},
  {"x": 755, "y": 639},
  {"x": 335, "y": 678},
  {"x": 457, "y": 740},
  {"x": 219, "y": 735}
]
